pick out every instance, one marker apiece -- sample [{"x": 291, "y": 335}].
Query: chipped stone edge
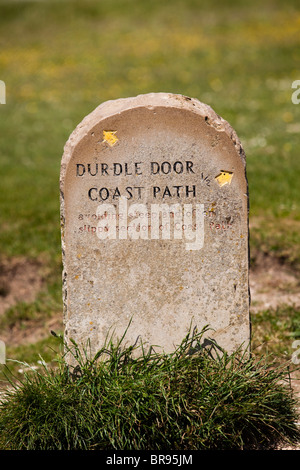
[{"x": 118, "y": 106}]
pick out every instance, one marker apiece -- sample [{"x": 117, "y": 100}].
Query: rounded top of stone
[{"x": 150, "y": 101}]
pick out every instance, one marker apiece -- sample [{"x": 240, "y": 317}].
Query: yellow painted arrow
[
  {"x": 224, "y": 177},
  {"x": 110, "y": 137}
]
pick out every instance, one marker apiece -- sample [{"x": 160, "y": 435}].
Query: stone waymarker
[{"x": 154, "y": 220}]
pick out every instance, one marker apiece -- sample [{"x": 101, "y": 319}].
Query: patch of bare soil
[
  {"x": 20, "y": 281},
  {"x": 273, "y": 284},
  {"x": 33, "y": 332}
]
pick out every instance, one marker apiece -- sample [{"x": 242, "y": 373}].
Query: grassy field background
[{"x": 60, "y": 60}]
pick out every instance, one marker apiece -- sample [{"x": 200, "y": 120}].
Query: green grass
[
  {"x": 29, "y": 356},
  {"x": 186, "y": 400},
  {"x": 274, "y": 331}
]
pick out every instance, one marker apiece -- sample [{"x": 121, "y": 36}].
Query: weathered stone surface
[{"x": 126, "y": 159}]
